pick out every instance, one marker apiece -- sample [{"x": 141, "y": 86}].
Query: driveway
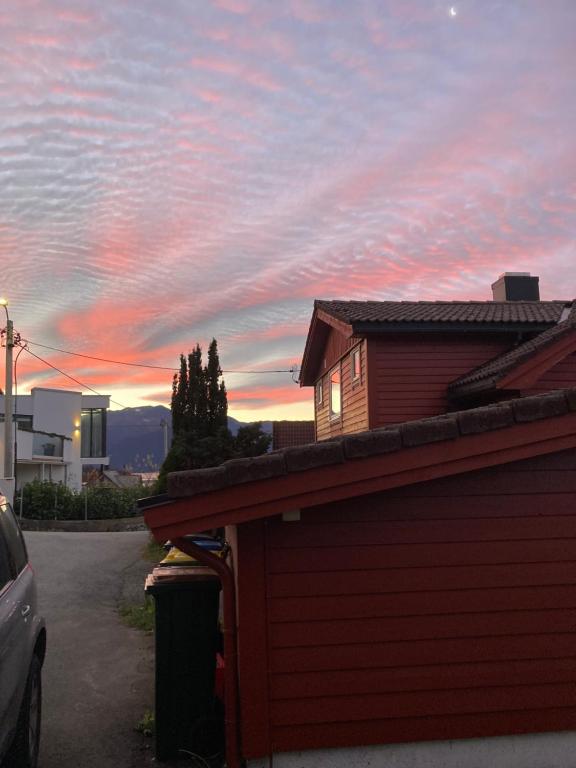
[{"x": 98, "y": 675}]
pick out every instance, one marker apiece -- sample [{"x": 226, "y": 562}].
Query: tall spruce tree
[
  {"x": 179, "y": 394},
  {"x": 201, "y": 437}
]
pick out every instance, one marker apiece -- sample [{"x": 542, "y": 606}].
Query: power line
[
  {"x": 145, "y": 365},
  {"x": 76, "y": 381},
  {"x": 101, "y": 359}
]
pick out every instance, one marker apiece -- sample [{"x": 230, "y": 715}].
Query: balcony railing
[{"x": 48, "y": 445}]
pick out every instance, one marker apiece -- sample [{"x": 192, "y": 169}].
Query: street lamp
[{"x": 8, "y": 407}]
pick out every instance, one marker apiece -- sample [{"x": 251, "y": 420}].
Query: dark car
[{"x": 22, "y": 649}]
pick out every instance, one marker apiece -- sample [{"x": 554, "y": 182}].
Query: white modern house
[{"x": 56, "y": 432}]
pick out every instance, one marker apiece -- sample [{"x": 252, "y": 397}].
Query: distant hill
[{"x": 135, "y": 437}]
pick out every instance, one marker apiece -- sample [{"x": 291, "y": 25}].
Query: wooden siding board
[
  {"x": 253, "y": 638},
  {"x": 430, "y": 531},
  {"x": 385, "y": 629},
  {"x": 467, "y": 599},
  {"x": 407, "y": 507},
  {"x": 425, "y": 366},
  {"x": 430, "y": 652},
  {"x": 401, "y": 704},
  {"x": 440, "y": 578},
  {"x": 410, "y": 557},
  {"x": 451, "y": 676},
  {"x": 453, "y": 602}
]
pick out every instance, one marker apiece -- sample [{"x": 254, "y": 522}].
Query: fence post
[
  {"x": 85, "y": 502},
  {"x": 55, "y": 502},
  {"x": 21, "y": 502}
]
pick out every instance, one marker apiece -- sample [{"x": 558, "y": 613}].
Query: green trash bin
[{"x": 187, "y": 639}]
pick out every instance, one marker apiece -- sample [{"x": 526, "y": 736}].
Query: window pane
[
  {"x": 96, "y": 441},
  {"x": 93, "y": 432},
  {"x": 335, "y": 400},
  {"x": 85, "y": 433},
  {"x": 356, "y": 364},
  {"x": 12, "y": 535},
  {"x": 5, "y": 568}
]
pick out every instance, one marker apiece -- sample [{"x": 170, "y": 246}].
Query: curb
[{"x": 85, "y": 526}]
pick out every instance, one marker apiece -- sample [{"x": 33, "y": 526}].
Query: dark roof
[
  {"x": 372, "y": 443},
  {"x": 486, "y": 376},
  {"x": 522, "y": 312}
]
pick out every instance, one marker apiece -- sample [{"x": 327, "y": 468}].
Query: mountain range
[{"x": 135, "y": 436}]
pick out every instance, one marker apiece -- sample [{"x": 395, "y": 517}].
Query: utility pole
[
  {"x": 164, "y": 425},
  {"x": 8, "y": 406}
]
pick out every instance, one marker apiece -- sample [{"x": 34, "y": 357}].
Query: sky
[{"x": 173, "y": 171}]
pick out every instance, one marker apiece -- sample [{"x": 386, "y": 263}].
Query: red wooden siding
[
  {"x": 442, "y": 610},
  {"x": 562, "y": 375},
  {"x": 354, "y": 416},
  {"x": 409, "y": 374}
]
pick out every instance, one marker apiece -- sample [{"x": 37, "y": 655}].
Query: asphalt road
[{"x": 98, "y": 674}]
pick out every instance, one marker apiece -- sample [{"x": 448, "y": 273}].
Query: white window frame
[
  {"x": 356, "y": 355},
  {"x": 319, "y": 393},
  {"x": 334, "y": 415}
]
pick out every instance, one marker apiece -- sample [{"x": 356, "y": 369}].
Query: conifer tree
[
  {"x": 201, "y": 437},
  {"x": 196, "y": 394},
  {"x": 179, "y": 395}
]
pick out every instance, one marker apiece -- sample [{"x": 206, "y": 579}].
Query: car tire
[{"x": 23, "y": 752}]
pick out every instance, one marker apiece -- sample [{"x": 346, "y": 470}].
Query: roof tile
[
  {"x": 191, "y": 482},
  {"x": 485, "y": 419},
  {"x": 313, "y": 455},
  {"x": 540, "y": 406},
  {"x": 257, "y": 468},
  {"x": 431, "y": 430},
  {"x": 537, "y": 312},
  {"x": 371, "y": 443}
]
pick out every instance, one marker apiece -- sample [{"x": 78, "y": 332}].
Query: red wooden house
[
  {"x": 406, "y": 595},
  {"x": 374, "y": 363}
]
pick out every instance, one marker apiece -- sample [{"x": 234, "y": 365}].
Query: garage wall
[{"x": 444, "y": 610}]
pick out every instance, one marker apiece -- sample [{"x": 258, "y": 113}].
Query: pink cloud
[
  {"x": 255, "y": 77},
  {"x": 38, "y": 40},
  {"x": 239, "y": 7}
]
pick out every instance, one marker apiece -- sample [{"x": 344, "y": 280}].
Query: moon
[{"x": 453, "y": 11}]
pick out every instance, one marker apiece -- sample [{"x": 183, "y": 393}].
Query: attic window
[
  {"x": 355, "y": 367},
  {"x": 335, "y": 394}
]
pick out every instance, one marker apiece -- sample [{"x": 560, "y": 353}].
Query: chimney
[{"x": 516, "y": 286}]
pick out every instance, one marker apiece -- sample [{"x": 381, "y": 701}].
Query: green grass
[
  {"x": 146, "y": 724},
  {"x": 139, "y": 616},
  {"x": 153, "y": 551}
]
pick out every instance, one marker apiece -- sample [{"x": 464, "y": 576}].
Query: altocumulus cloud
[{"x": 176, "y": 171}]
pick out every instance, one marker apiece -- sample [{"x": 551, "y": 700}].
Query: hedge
[{"x": 43, "y": 500}]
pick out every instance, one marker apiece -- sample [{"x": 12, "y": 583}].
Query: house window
[
  {"x": 355, "y": 366},
  {"x": 335, "y": 394},
  {"x": 319, "y": 393},
  {"x": 93, "y": 433},
  {"x": 24, "y": 422}
]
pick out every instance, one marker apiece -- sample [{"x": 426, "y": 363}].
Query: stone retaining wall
[{"x": 96, "y": 526}]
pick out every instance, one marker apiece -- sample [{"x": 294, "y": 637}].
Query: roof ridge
[
  {"x": 483, "y": 302},
  {"x": 409, "y": 434}
]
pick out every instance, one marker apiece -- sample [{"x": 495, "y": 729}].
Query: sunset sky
[{"x": 177, "y": 170}]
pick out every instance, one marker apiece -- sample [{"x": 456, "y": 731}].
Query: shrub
[{"x": 43, "y": 500}]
